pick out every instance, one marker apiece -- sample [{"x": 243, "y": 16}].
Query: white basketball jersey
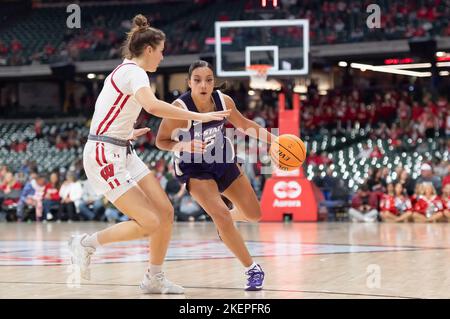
[{"x": 116, "y": 109}]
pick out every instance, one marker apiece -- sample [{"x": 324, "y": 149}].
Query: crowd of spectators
[
  {"x": 67, "y": 196},
  {"x": 396, "y": 116},
  {"x": 345, "y": 21},
  {"x": 331, "y": 22},
  {"x": 392, "y": 196}
]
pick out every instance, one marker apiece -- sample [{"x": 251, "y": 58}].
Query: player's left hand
[{"x": 138, "y": 132}]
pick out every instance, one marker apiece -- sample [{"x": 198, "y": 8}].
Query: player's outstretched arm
[
  {"x": 245, "y": 125},
  {"x": 160, "y": 108},
  {"x": 165, "y": 142}
]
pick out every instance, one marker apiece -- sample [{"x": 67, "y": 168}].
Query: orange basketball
[{"x": 288, "y": 152}]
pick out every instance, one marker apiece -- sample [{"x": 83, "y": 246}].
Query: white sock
[
  {"x": 251, "y": 266},
  {"x": 91, "y": 241},
  {"x": 154, "y": 269}
]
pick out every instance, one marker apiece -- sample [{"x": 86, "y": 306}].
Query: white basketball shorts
[{"x": 110, "y": 170}]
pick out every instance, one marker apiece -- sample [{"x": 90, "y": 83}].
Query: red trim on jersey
[
  {"x": 117, "y": 182},
  {"x": 117, "y": 100},
  {"x": 112, "y": 74},
  {"x": 115, "y": 115},
  {"x": 97, "y": 157},
  {"x": 111, "y": 185},
  {"x": 109, "y": 113},
  {"x": 103, "y": 154}
]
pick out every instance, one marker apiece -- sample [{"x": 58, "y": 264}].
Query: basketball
[{"x": 288, "y": 152}]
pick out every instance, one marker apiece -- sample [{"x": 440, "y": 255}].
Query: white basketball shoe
[
  {"x": 159, "y": 284},
  {"x": 80, "y": 256}
]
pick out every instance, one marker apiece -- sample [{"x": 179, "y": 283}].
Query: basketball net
[{"x": 258, "y": 76}]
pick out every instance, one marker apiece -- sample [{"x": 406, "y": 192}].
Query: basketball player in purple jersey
[{"x": 207, "y": 180}]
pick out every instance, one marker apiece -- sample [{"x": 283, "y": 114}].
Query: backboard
[{"x": 282, "y": 44}]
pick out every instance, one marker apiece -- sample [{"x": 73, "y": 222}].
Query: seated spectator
[
  {"x": 365, "y": 153},
  {"x": 429, "y": 207},
  {"x": 427, "y": 176},
  {"x": 388, "y": 211},
  {"x": 396, "y": 206},
  {"x": 31, "y": 196},
  {"x": 38, "y": 126},
  {"x": 364, "y": 206},
  {"x": 446, "y": 201},
  {"x": 52, "y": 199},
  {"x": 16, "y": 46},
  {"x": 407, "y": 182},
  {"x": 446, "y": 179},
  {"x": 189, "y": 209},
  {"x": 90, "y": 206},
  {"x": 338, "y": 197},
  {"x": 112, "y": 214},
  {"x": 10, "y": 191},
  {"x": 376, "y": 153},
  {"x": 70, "y": 192},
  {"x": 376, "y": 182}
]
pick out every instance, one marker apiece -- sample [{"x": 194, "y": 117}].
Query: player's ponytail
[
  {"x": 202, "y": 64},
  {"x": 140, "y": 36}
]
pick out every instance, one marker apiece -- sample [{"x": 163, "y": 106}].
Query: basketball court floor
[{"x": 301, "y": 260}]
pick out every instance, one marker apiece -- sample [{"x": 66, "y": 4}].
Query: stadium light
[
  {"x": 444, "y": 73},
  {"x": 408, "y": 66},
  {"x": 440, "y": 54},
  {"x": 385, "y": 69},
  {"x": 442, "y": 64},
  {"x": 91, "y": 76},
  {"x": 343, "y": 64}
]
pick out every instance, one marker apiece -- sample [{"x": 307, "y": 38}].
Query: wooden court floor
[{"x": 301, "y": 260}]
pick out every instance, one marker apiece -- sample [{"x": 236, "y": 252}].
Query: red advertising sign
[{"x": 288, "y": 193}]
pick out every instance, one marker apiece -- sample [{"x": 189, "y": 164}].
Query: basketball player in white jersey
[{"x": 114, "y": 169}]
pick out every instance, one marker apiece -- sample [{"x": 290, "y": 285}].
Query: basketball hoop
[{"x": 258, "y": 75}]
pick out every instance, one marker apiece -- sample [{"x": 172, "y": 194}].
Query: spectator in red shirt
[
  {"x": 61, "y": 144},
  {"x": 416, "y": 111},
  {"x": 38, "y": 125},
  {"x": 403, "y": 114},
  {"x": 396, "y": 208},
  {"x": 11, "y": 189},
  {"x": 446, "y": 201},
  {"x": 376, "y": 153},
  {"x": 429, "y": 207},
  {"x": 3, "y": 49},
  {"x": 52, "y": 199},
  {"x": 446, "y": 179},
  {"x": 388, "y": 211},
  {"x": 20, "y": 146},
  {"x": 49, "y": 49},
  {"x": 16, "y": 46}
]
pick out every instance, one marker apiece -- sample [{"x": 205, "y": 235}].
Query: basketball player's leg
[
  {"x": 131, "y": 201},
  {"x": 159, "y": 241},
  {"x": 246, "y": 208},
  {"x": 154, "y": 279},
  {"x": 143, "y": 215},
  {"x": 207, "y": 195}
]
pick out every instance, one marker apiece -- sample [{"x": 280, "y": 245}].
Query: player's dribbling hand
[
  {"x": 138, "y": 132},
  {"x": 213, "y": 116}
]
